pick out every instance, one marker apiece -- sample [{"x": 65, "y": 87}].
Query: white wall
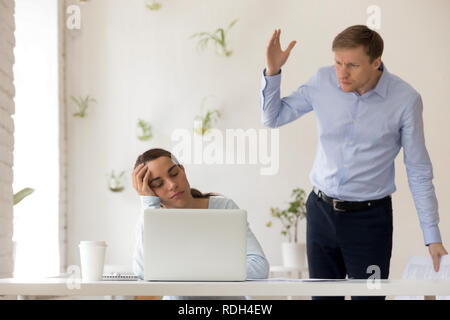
[{"x": 139, "y": 63}]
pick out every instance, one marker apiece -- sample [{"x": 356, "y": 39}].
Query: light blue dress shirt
[
  {"x": 359, "y": 138},
  {"x": 257, "y": 264}
]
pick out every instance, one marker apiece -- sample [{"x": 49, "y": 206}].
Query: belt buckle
[{"x": 335, "y": 201}]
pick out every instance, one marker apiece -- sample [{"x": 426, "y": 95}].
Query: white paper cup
[{"x": 92, "y": 256}]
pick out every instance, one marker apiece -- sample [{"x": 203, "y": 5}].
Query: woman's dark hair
[{"x": 155, "y": 153}]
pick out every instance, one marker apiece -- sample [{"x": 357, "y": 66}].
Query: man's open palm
[{"x": 275, "y": 57}]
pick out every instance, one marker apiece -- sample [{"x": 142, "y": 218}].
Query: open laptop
[{"x": 195, "y": 244}]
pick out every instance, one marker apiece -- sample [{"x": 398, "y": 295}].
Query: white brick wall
[{"x": 7, "y": 92}]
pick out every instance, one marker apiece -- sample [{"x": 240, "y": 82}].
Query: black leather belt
[{"x": 347, "y": 206}]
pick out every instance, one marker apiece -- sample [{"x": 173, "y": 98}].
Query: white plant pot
[{"x": 294, "y": 254}]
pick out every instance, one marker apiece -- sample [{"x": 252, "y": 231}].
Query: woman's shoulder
[{"x": 222, "y": 202}]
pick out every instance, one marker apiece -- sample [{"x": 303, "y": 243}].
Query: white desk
[
  {"x": 293, "y": 272},
  {"x": 59, "y": 287}
]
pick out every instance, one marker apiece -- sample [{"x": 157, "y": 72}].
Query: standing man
[{"x": 364, "y": 116}]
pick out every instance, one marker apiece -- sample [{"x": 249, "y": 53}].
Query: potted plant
[
  {"x": 218, "y": 37},
  {"x": 293, "y": 252}
]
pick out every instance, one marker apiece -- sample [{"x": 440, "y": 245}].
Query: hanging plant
[
  {"x": 218, "y": 37},
  {"x": 153, "y": 5},
  {"x": 115, "y": 182},
  {"x": 205, "y": 121},
  {"x": 82, "y": 105},
  {"x": 22, "y": 194},
  {"x": 144, "y": 130}
]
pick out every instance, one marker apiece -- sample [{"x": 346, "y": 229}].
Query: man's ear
[{"x": 377, "y": 63}]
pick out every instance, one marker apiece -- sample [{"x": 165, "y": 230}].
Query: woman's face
[{"x": 168, "y": 181}]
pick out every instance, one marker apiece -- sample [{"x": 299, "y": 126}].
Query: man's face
[{"x": 354, "y": 70}]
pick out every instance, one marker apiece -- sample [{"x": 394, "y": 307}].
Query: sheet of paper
[
  {"x": 296, "y": 280},
  {"x": 422, "y": 268}
]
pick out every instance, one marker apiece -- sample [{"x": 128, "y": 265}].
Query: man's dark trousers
[{"x": 341, "y": 244}]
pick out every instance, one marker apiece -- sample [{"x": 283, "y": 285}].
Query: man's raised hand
[{"x": 275, "y": 57}]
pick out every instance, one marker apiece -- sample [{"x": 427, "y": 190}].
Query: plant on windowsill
[
  {"x": 144, "y": 130},
  {"x": 19, "y": 196},
  {"x": 218, "y": 37},
  {"x": 115, "y": 182},
  {"x": 293, "y": 251},
  {"x": 82, "y": 105}
]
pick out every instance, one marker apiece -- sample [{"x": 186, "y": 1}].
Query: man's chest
[{"x": 361, "y": 118}]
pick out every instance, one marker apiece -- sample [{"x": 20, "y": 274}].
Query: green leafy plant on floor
[
  {"x": 218, "y": 37},
  {"x": 82, "y": 105},
  {"x": 145, "y": 130},
  {"x": 115, "y": 182},
  {"x": 152, "y": 5},
  {"x": 205, "y": 121},
  {"x": 291, "y": 216},
  {"x": 22, "y": 194}
]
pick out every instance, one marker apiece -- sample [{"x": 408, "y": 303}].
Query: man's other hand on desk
[{"x": 436, "y": 251}]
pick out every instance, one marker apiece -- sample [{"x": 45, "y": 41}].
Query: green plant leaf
[
  {"x": 218, "y": 36},
  {"x": 82, "y": 105},
  {"x": 232, "y": 24},
  {"x": 22, "y": 194},
  {"x": 153, "y": 5},
  {"x": 75, "y": 100}
]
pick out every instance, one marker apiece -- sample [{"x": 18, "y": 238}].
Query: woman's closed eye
[
  {"x": 156, "y": 185},
  {"x": 159, "y": 183}
]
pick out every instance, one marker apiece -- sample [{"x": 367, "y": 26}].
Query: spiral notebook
[{"x": 120, "y": 276}]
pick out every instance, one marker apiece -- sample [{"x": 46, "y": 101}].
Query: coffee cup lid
[{"x": 93, "y": 243}]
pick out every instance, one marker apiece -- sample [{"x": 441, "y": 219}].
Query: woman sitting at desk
[{"x": 161, "y": 182}]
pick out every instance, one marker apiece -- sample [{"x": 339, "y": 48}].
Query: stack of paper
[{"x": 422, "y": 268}]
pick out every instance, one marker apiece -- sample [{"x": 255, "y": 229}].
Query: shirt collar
[{"x": 382, "y": 85}]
